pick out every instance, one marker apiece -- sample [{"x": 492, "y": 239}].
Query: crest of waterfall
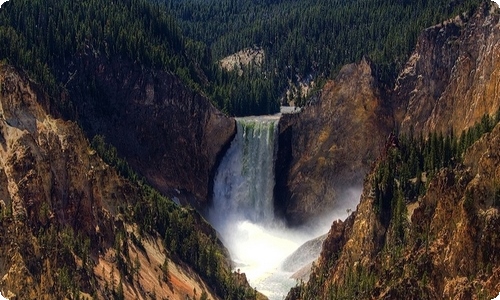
[
  {"x": 243, "y": 210},
  {"x": 244, "y": 183}
]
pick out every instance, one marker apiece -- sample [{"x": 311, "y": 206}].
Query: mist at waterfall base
[{"x": 243, "y": 209}]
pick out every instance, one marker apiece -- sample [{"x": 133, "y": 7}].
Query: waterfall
[
  {"x": 243, "y": 210},
  {"x": 244, "y": 183}
]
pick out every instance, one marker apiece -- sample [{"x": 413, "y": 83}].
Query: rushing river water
[{"x": 243, "y": 209}]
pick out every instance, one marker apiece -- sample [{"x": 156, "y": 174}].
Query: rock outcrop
[
  {"x": 168, "y": 133},
  {"x": 452, "y": 78},
  {"x": 328, "y": 147},
  {"x": 444, "y": 243},
  {"x": 451, "y": 249},
  {"x": 67, "y": 225}
]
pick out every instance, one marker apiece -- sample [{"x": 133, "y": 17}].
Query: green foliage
[
  {"x": 60, "y": 245},
  {"x": 45, "y": 37},
  {"x": 164, "y": 269},
  {"x": 204, "y": 295},
  {"x": 399, "y": 176},
  {"x": 303, "y": 37},
  {"x": 186, "y": 235},
  {"x": 118, "y": 294},
  {"x": 109, "y": 154},
  {"x": 251, "y": 93},
  {"x": 356, "y": 283}
]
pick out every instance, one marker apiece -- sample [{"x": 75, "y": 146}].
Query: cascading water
[
  {"x": 245, "y": 179},
  {"x": 243, "y": 214},
  {"x": 243, "y": 210}
]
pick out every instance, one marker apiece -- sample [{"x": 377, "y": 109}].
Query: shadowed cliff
[
  {"x": 168, "y": 133},
  {"x": 328, "y": 147},
  {"x": 428, "y": 229}
]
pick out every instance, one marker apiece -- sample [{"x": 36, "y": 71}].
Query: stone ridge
[
  {"x": 330, "y": 145},
  {"x": 452, "y": 78},
  {"x": 168, "y": 133}
]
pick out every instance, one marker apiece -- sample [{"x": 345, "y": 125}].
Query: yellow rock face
[{"x": 55, "y": 191}]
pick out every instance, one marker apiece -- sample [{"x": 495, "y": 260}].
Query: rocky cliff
[
  {"x": 168, "y": 133},
  {"x": 329, "y": 146},
  {"x": 449, "y": 83},
  {"x": 450, "y": 248},
  {"x": 442, "y": 243},
  {"x": 452, "y": 78},
  {"x": 71, "y": 227}
]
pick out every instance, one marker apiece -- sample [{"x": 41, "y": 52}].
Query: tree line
[
  {"x": 303, "y": 37},
  {"x": 188, "y": 38}
]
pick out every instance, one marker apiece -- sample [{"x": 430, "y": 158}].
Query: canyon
[
  {"x": 67, "y": 214},
  {"x": 448, "y": 247}
]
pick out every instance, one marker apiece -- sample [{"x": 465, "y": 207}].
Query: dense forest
[
  {"x": 300, "y": 39},
  {"x": 43, "y": 37}
]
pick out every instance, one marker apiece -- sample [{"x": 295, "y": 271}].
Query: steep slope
[
  {"x": 168, "y": 133},
  {"x": 328, "y": 147},
  {"x": 452, "y": 78},
  {"x": 448, "y": 248},
  {"x": 429, "y": 232},
  {"x": 71, "y": 226},
  {"x": 449, "y": 83},
  {"x": 123, "y": 70}
]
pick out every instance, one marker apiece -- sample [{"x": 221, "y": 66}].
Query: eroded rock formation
[
  {"x": 168, "y": 133},
  {"x": 329, "y": 146},
  {"x": 452, "y": 78},
  {"x": 67, "y": 226}
]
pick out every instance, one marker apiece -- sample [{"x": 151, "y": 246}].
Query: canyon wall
[
  {"x": 452, "y": 78},
  {"x": 329, "y": 146},
  {"x": 172, "y": 136},
  {"x": 72, "y": 227},
  {"x": 442, "y": 244}
]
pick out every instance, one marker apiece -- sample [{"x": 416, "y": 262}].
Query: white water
[
  {"x": 245, "y": 179},
  {"x": 243, "y": 210}
]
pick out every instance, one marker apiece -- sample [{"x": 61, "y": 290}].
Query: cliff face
[
  {"x": 66, "y": 218},
  {"x": 168, "y": 133},
  {"x": 329, "y": 146},
  {"x": 442, "y": 244},
  {"x": 450, "y": 250},
  {"x": 452, "y": 78},
  {"x": 450, "y": 82}
]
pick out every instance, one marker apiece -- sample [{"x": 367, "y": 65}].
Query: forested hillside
[
  {"x": 299, "y": 39},
  {"x": 302, "y": 37},
  {"x": 44, "y": 36},
  {"x": 430, "y": 219},
  {"x": 73, "y": 227}
]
